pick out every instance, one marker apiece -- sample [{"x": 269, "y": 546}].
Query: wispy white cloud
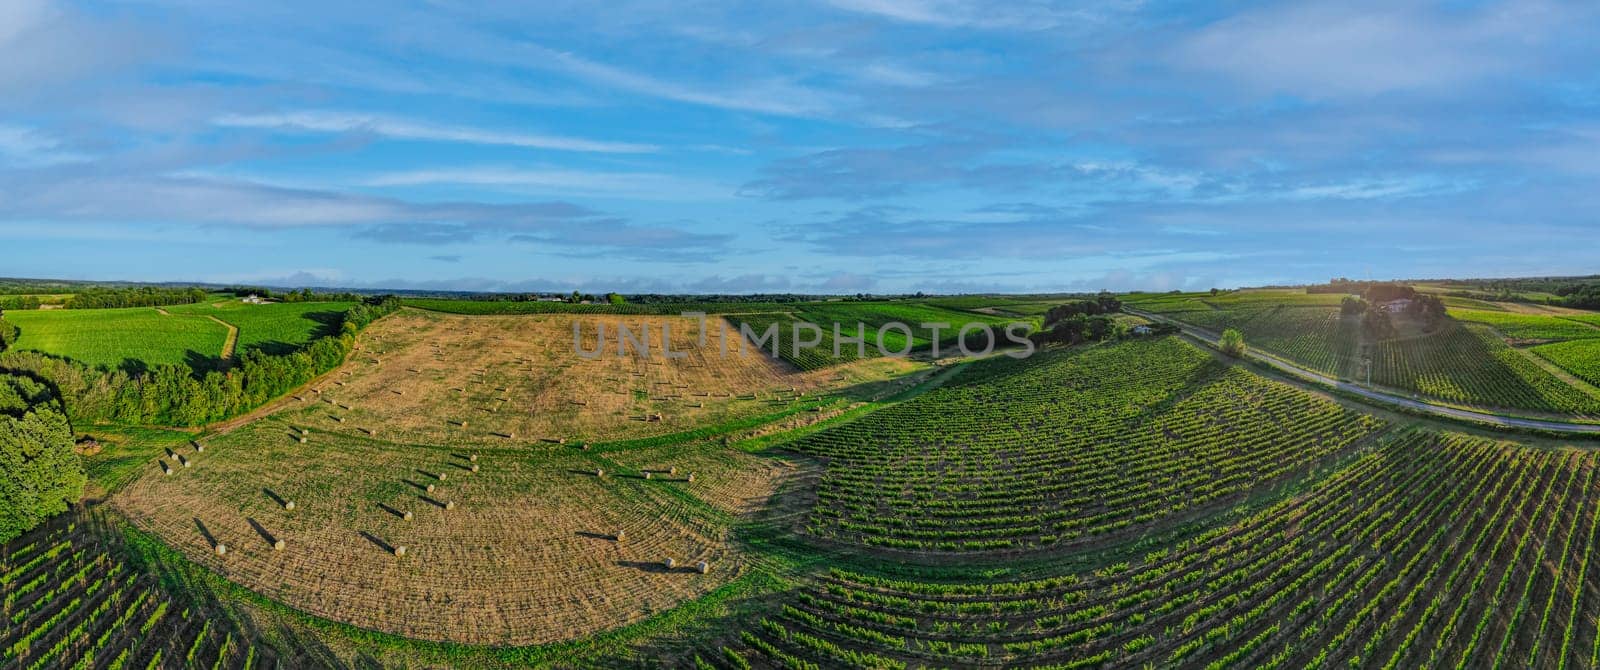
[
  {"x": 777, "y": 96},
  {"x": 30, "y": 147},
  {"x": 1329, "y": 49},
  {"x": 402, "y": 129},
  {"x": 572, "y": 182}
]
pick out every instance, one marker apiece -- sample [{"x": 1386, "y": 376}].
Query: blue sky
[{"x": 827, "y": 146}]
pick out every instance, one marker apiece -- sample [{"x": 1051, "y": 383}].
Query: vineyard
[
  {"x": 1580, "y": 357},
  {"x": 1464, "y": 362},
  {"x": 865, "y": 320},
  {"x": 74, "y": 600},
  {"x": 1067, "y": 447},
  {"x": 1529, "y": 326},
  {"x": 1468, "y": 364},
  {"x": 468, "y": 491},
  {"x": 1431, "y": 550}
]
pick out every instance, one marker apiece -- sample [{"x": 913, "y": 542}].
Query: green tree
[
  {"x": 615, "y": 298},
  {"x": 1232, "y": 343},
  {"x": 40, "y": 473}
]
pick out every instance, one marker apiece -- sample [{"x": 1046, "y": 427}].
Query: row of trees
[
  {"x": 1103, "y": 303},
  {"x": 301, "y": 295},
  {"x": 143, "y": 296},
  {"x": 173, "y": 394},
  {"x": 1082, "y": 321},
  {"x": 40, "y": 472},
  {"x": 19, "y": 302}
]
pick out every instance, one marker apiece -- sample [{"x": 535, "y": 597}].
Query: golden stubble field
[
  {"x": 522, "y": 550},
  {"x": 499, "y": 381}
]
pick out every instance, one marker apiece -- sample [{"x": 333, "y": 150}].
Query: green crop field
[
  {"x": 113, "y": 337},
  {"x": 273, "y": 327}
]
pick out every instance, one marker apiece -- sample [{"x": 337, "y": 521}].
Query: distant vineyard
[
  {"x": 1065, "y": 448},
  {"x": 542, "y": 307},
  {"x": 1433, "y": 551},
  {"x": 1529, "y": 326},
  {"x": 1580, "y": 357},
  {"x": 866, "y": 319},
  {"x": 1468, "y": 364}
]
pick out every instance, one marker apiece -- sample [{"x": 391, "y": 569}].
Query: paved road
[{"x": 1381, "y": 397}]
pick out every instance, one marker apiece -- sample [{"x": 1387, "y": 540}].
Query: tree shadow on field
[
  {"x": 328, "y": 323},
  {"x": 200, "y": 363},
  {"x": 133, "y": 367},
  {"x": 595, "y": 536}
]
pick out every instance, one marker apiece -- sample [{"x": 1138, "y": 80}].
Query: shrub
[{"x": 1232, "y": 342}]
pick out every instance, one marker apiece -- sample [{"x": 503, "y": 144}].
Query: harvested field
[
  {"x": 525, "y": 555},
  {"x": 501, "y": 381}
]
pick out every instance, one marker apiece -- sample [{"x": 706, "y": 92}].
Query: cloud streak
[{"x": 400, "y": 129}]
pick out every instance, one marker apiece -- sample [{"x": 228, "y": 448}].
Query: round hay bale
[
  {"x": 199, "y": 447},
  {"x": 672, "y": 470},
  {"x": 277, "y": 545},
  {"x": 184, "y": 461},
  {"x": 702, "y": 567},
  {"x": 620, "y": 535},
  {"x": 302, "y": 439},
  {"x": 473, "y": 458},
  {"x": 474, "y": 467},
  {"x": 691, "y": 477},
  {"x": 599, "y": 472},
  {"x": 289, "y": 505},
  {"x": 431, "y": 488},
  {"x": 450, "y": 504},
  {"x": 647, "y": 475},
  {"x": 444, "y": 476},
  {"x": 222, "y": 549},
  {"x": 305, "y": 431},
  {"x": 166, "y": 469},
  {"x": 400, "y": 550},
  {"x": 670, "y": 563},
  {"x": 407, "y": 516}
]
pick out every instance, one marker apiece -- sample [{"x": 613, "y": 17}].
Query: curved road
[{"x": 1380, "y": 396}]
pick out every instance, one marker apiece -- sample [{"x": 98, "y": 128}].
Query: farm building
[{"x": 1397, "y": 306}]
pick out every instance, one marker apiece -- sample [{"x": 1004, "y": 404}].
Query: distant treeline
[
  {"x": 171, "y": 395},
  {"x": 19, "y": 302},
  {"x": 301, "y": 295},
  {"x": 144, "y": 296}
]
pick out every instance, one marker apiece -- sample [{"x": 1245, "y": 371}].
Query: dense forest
[
  {"x": 174, "y": 395},
  {"x": 39, "y": 470}
]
